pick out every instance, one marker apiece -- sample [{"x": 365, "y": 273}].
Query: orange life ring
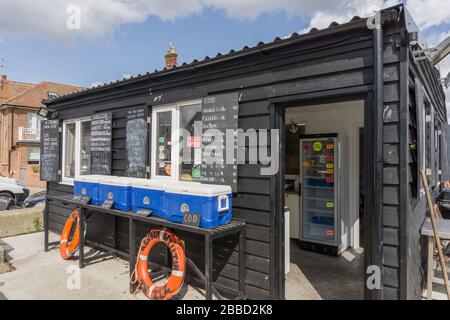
[
  {"x": 67, "y": 247},
  {"x": 176, "y": 279}
]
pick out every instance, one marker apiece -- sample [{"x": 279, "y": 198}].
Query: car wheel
[{"x": 6, "y": 195}]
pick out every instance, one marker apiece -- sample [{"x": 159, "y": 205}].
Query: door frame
[
  {"x": 355, "y": 241},
  {"x": 372, "y": 208}
]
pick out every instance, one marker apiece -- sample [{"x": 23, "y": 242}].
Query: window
[
  {"x": 437, "y": 151},
  {"x": 176, "y": 154},
  {"x": 190, "y": 145},
  {"x": 33, "y": 155},
  {"x": 34, "y": 122},
  {"x": 76, "y": 148},
  {"x": 164, "y": 143}
]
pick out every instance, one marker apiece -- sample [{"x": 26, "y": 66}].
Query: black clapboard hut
[{"x": 343, "y": 62}]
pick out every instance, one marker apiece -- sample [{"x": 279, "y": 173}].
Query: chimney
[
  {"x": 171, "y": 57},
  {"x": 4, "y": 77}
]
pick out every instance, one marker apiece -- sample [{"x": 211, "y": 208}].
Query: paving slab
[{"x": 45, "y": 276}]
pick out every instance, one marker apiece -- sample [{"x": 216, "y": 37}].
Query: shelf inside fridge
[{"x": 318, "y": 194}]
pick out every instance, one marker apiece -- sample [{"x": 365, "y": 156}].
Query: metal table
[
  {"x": 234, "y": 227},
  {"x": 443, "y": 226}
]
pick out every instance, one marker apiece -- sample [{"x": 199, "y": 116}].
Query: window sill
[{"x": 66, "y": 182}]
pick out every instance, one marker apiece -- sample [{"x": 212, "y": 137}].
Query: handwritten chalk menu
[
  {"x": 101, "y": 135},
  {"x": 49, "y": 150},
  {"x": 219, "y": 113},
  {"x": 137, "y": 142}
]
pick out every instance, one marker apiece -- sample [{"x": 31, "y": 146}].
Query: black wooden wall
[{"x": 333, "y": 64}]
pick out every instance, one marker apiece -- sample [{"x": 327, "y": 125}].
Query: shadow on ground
[{"x": 319, "y": 276}]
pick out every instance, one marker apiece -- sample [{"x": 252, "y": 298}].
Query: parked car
[
  {"x": 35, "y": 200},
  {"x": 10, "y": 188}
]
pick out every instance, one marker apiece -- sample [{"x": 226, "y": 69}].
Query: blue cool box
[
  {"x": 88, "y": 186},
  {"x": 211, "y": 202},
  {"x": 117, "y": 189},
  {"x": 148, "y": 194}
]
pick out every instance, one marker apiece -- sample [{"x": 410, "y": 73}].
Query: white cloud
[
  {"x": 428, "y": 13},
  {"x": 100, "y": 18},
  {"x": 95, "y": 84}
]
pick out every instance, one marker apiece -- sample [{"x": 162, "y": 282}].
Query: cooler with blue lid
[
  {"x": 117, "y": 189},
  {"x": 88, "y": 185},
  {"x": 211, "y": 202},
  {"x": 148, "y": 194}
]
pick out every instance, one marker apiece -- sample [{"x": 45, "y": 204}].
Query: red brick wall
[{"x": 19, "y": 153}]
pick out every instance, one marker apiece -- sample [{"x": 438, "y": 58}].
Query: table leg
[
  {"x": 132, "y": 259},
  {"x": 208, "y": 267},
  {"x": 242, "y": 263},
  {"x": 114, "y": 234},
  {"x": 81, "y": 247},
  {"x": 430, "y": 271},
  {"x": 46, "y": 227}
]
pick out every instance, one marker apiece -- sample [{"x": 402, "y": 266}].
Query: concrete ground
[
  {"x": 45, "y": 276},
  {"x": 315, "y": 276}
]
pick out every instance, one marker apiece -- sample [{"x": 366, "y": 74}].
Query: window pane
[
  {"x": 33, "y": 154},
  {"x": 85, "y": 150},
  {"x": 69, "y": 152},
  {"x": 190, "y": 142},
  {"x": 163, "y": 143}
]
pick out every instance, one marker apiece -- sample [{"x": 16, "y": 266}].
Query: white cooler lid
[
  {"x": 198, "y": 189},
  {"x": 89, "y": 178},
  {"x": 149, "y": 184},
  {"x": 119, "y": 181}
]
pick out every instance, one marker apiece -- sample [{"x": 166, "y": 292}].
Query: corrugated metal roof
[{"x": 353, "y": 23}]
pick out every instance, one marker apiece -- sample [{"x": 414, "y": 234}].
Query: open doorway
[{"x": 324, "y": 183}]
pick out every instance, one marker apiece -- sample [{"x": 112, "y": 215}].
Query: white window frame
[
  {"x": 64, "y": 179},
  {"x": 175, "y": 139}
]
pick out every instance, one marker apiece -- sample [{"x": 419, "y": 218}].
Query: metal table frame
[{"x": 234, "y": 227}]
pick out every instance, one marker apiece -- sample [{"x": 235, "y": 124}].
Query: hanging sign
[
  {"x": 50, "y": 146},
  {"x": 137, "y": 141},
  {"x": 219, "y": 113}
]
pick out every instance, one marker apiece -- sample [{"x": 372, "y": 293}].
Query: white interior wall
[{"x": 343, "y": 118}]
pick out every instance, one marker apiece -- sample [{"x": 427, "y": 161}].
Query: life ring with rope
[
  {"x": 141, "y": 274},
  {"x": 68, "y": 247}
]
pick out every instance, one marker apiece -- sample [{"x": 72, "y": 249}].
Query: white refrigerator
[{"x": 319, "y": 193}]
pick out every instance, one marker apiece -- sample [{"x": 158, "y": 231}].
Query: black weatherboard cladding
[{"x": 332, "y": 65}]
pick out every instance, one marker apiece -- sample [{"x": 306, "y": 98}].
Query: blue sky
[
  {"x": 138, "y": 47},
  {"x": 123, "y": 37}
]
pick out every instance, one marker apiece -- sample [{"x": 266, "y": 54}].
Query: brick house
[{"x": 20, "y": 127}]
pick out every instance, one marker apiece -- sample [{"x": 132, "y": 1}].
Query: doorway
[{"x": 325, "y": 197}]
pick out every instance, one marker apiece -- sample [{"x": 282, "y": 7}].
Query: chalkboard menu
[
  {"x": 101, "y": 135},
  {"x": 137, "y": 141},
  {"x": 219, "y": 113},
  {"x": 50, "y": 150}
]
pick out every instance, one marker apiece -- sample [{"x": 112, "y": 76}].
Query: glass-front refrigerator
[{"x": 319, "y": 207}]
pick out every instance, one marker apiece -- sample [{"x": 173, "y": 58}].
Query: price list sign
[{"x": 219, "y": 115}]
